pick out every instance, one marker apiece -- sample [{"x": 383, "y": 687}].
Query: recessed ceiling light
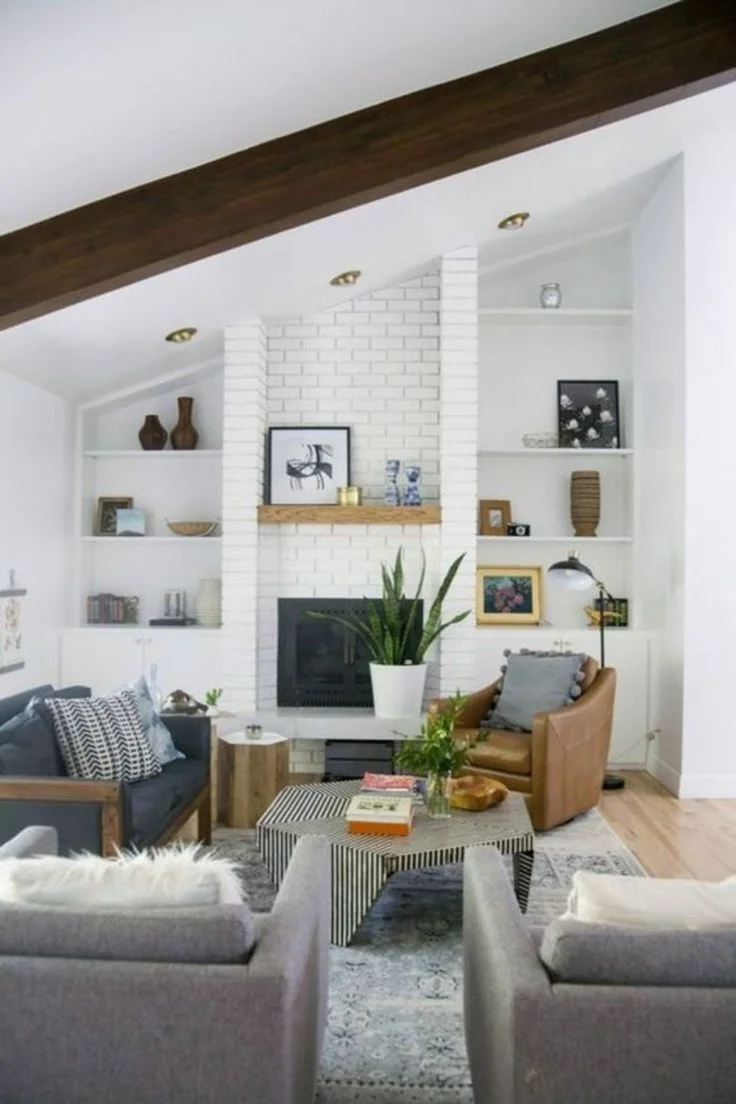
[
  {"x": 186, "y": 333},
  {"x": 514, "y": 222},
  {"x": 346, "y": 278}
]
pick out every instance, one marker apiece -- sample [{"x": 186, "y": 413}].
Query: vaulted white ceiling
[{"x": 98, "y": 97}]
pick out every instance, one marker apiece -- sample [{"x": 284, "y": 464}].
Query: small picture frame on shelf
[
  {"x": 587, "y": 414},
  {"x": 508, "y": 595},
  {"x": 494, "y": 517},
  {"x": 106, "y": 515},
  {"x": 306, "y": 464},
  {"x": 130, "y": 522},
  {"x": 615, "y": 613},
  {"x": 174, "y": 604}
]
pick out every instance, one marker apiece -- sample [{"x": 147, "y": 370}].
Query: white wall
[
  {"x": 36, "y": 497},
  {"x": 658, "y": 245},
  {"x": 709, "y": 747}
]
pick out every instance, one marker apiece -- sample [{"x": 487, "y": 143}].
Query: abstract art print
[
  {"x": 587, "y": 414},
  {"x": 508, "y": 596},
  {"x": 306, "y": 464}
]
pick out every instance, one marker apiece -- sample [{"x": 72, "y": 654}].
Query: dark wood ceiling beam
[{"x": 680, "y": 50}]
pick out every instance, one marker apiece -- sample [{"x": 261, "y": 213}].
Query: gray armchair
[
  {"x": 165, "y": 1005},
  {"x": 645, "y": 1017}
]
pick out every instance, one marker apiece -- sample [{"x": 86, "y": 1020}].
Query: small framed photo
[
  {"x": 508, "y": 595},
  {"x": 615, "y": 613},
  {"x": 587, "y": 414},
  {"x": 106, "y": 517},
  {"x": 494, "y": 517},
  {"x": 306, "y": 464},
  {"x": 130, "y": 522}
]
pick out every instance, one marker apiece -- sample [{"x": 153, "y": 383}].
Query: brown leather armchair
[{"x": 560, "y": 764}]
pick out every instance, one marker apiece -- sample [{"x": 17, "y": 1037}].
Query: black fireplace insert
[{"x": 322, "y": 663}]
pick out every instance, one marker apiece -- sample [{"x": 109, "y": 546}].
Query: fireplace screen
[{"x": 321, "y": 663}]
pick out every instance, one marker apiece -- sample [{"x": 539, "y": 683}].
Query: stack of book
[
  {"x": 383, "y": 814},
  {"x": 388, "y": 783}
]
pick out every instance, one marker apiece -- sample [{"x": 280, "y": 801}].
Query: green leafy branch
[{"x": 436, "y": 750}]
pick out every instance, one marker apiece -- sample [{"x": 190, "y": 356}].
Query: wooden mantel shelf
[{"x": 349, "y": 515}]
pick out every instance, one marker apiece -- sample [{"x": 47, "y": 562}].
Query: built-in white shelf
[
  {"x": 557, "y": 540},
  {"x": 557, "y": 452},
  {"x": 139, "y": 454},
  {"x": 175, "y": 630},
  {"x": 592, "y": 316},
  {"x": 154, "y": 540}
]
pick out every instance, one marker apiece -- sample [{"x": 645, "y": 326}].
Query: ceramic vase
[
  {"x": 585, "y": 502},
  {"x": 412, "y": 496},
  {"x": 391, "y": 494},
  {"x": 550, "y": 296},
  {"x": 152, "y": 434},
  {"x": 208, "y": 603},
  {"x": 184, "y": 435},
  {"x": 437, "y": 794}
]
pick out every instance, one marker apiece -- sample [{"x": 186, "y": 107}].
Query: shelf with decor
[
  {"x": 350, "y": 515},
  {"x": 567, "y": 452},
  {"x": 554, "y": 540},
  {"x": 153, "y": 454},
  {"x": 560, "y": 316},
  {"x": 145, "y": 541}
]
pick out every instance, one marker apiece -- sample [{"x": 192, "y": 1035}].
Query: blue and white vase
[
  {"x": 391, "y": 494},
  {"x": 413, "y": 474}
]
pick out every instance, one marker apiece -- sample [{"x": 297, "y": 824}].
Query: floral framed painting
[
  {"x": 508, "y": 595},
  {"x": 306, "y": 464},
  {"x": 587, "y": 414}
]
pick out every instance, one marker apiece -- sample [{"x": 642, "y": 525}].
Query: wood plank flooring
[{"x": 672, "y": 838}]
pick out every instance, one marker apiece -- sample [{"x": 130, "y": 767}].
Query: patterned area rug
[{"x": 395, "y": 1031}]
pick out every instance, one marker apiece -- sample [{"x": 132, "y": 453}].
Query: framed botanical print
[
  {"x": 306, "y": 464},
  {"x": 494, "y": 517},
  {"x": 508, "y": 595},
  {"x": 587, "y": 414}
]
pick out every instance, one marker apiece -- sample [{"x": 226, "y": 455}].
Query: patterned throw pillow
[{"x": 103, "y": 738}]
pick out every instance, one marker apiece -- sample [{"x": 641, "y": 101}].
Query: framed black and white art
[
  {"x": 587, "y": 414},
  {"x": 306, "y": 464}
]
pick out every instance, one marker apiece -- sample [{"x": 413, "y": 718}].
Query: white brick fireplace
[{"x": 399, "y": 366}]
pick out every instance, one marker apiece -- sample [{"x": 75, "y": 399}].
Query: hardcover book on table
[
  {"x": 388, "y": 783},
  {"x": 380, "y": 814}
]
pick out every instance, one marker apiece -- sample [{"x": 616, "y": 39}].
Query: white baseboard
[
  {"x": 664, "y": 773},
  {"x": 707, "y": 785}
]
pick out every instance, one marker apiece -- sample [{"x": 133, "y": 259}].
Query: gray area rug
[{"x": 395, "y": 1031}]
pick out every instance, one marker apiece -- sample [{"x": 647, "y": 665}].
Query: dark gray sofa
[{"x": 103, "y": 816}]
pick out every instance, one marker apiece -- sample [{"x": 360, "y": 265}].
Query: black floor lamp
[{"x": 574, "y": 575}]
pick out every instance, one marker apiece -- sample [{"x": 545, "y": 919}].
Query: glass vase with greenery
[{"x": 437, "y": 754}]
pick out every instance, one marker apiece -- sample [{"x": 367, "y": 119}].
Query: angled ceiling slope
[{"x": 675, "y": 52}]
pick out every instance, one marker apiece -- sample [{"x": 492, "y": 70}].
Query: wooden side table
[{"x": 251, "y": 774}]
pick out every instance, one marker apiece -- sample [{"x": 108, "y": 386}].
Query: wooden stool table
[{"x": 250, "y": 775}]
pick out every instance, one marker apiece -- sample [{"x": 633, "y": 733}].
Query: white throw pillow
[
  {"x": 184, "y": 876},
  {"x": 651, "y": 902}
]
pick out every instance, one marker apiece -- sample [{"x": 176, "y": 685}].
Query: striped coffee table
[{"x": 361, "y": 865}]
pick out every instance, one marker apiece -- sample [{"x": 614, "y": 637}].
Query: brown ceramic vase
[
  {"x": 152, "y": 434},
  {"x": 184, "y": 435},
  {"x": 585, "y": 502}
]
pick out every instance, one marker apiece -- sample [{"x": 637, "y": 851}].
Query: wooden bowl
[
  {"x": 474, "y": 793},
  {"x": 192, "y": 528}
]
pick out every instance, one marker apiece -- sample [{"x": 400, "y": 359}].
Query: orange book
[{"x": 378, "y": 828}]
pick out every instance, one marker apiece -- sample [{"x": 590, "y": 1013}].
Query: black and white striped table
[{"x": 361, "y": 865}]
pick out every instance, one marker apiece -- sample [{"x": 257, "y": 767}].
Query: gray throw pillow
[
  {"x": 28, "y": 748},
  {"x": 536, "y": 683}
]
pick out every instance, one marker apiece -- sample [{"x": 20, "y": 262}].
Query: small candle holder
[
  {"x": 349, "y": 496},
  {"x": 253, "y": 732}
]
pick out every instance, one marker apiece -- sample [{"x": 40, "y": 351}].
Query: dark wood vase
[
  {"x": 152, "y": 434},
  {"x": 184, "y": 435}
]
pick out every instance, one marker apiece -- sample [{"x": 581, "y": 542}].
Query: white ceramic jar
[{"x": 208, "y": 603}]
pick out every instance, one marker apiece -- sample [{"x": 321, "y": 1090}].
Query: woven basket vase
[{"x": 585, "y": 502}]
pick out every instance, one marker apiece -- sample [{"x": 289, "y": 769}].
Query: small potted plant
[
  {"x": 212, "y": 698},
  {"x": 436, "y": 754},
  {"x": 390, "y": 630}
]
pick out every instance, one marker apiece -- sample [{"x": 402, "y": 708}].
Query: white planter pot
[{"x": 398, "y": 691}]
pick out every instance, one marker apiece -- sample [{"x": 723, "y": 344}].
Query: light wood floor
[{"x": 672, "y": 838}]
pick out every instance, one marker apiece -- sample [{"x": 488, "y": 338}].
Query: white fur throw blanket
[{"x": 183, "y": 876}]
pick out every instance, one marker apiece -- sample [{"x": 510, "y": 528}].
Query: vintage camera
[{"x": 517, "y": 529}]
